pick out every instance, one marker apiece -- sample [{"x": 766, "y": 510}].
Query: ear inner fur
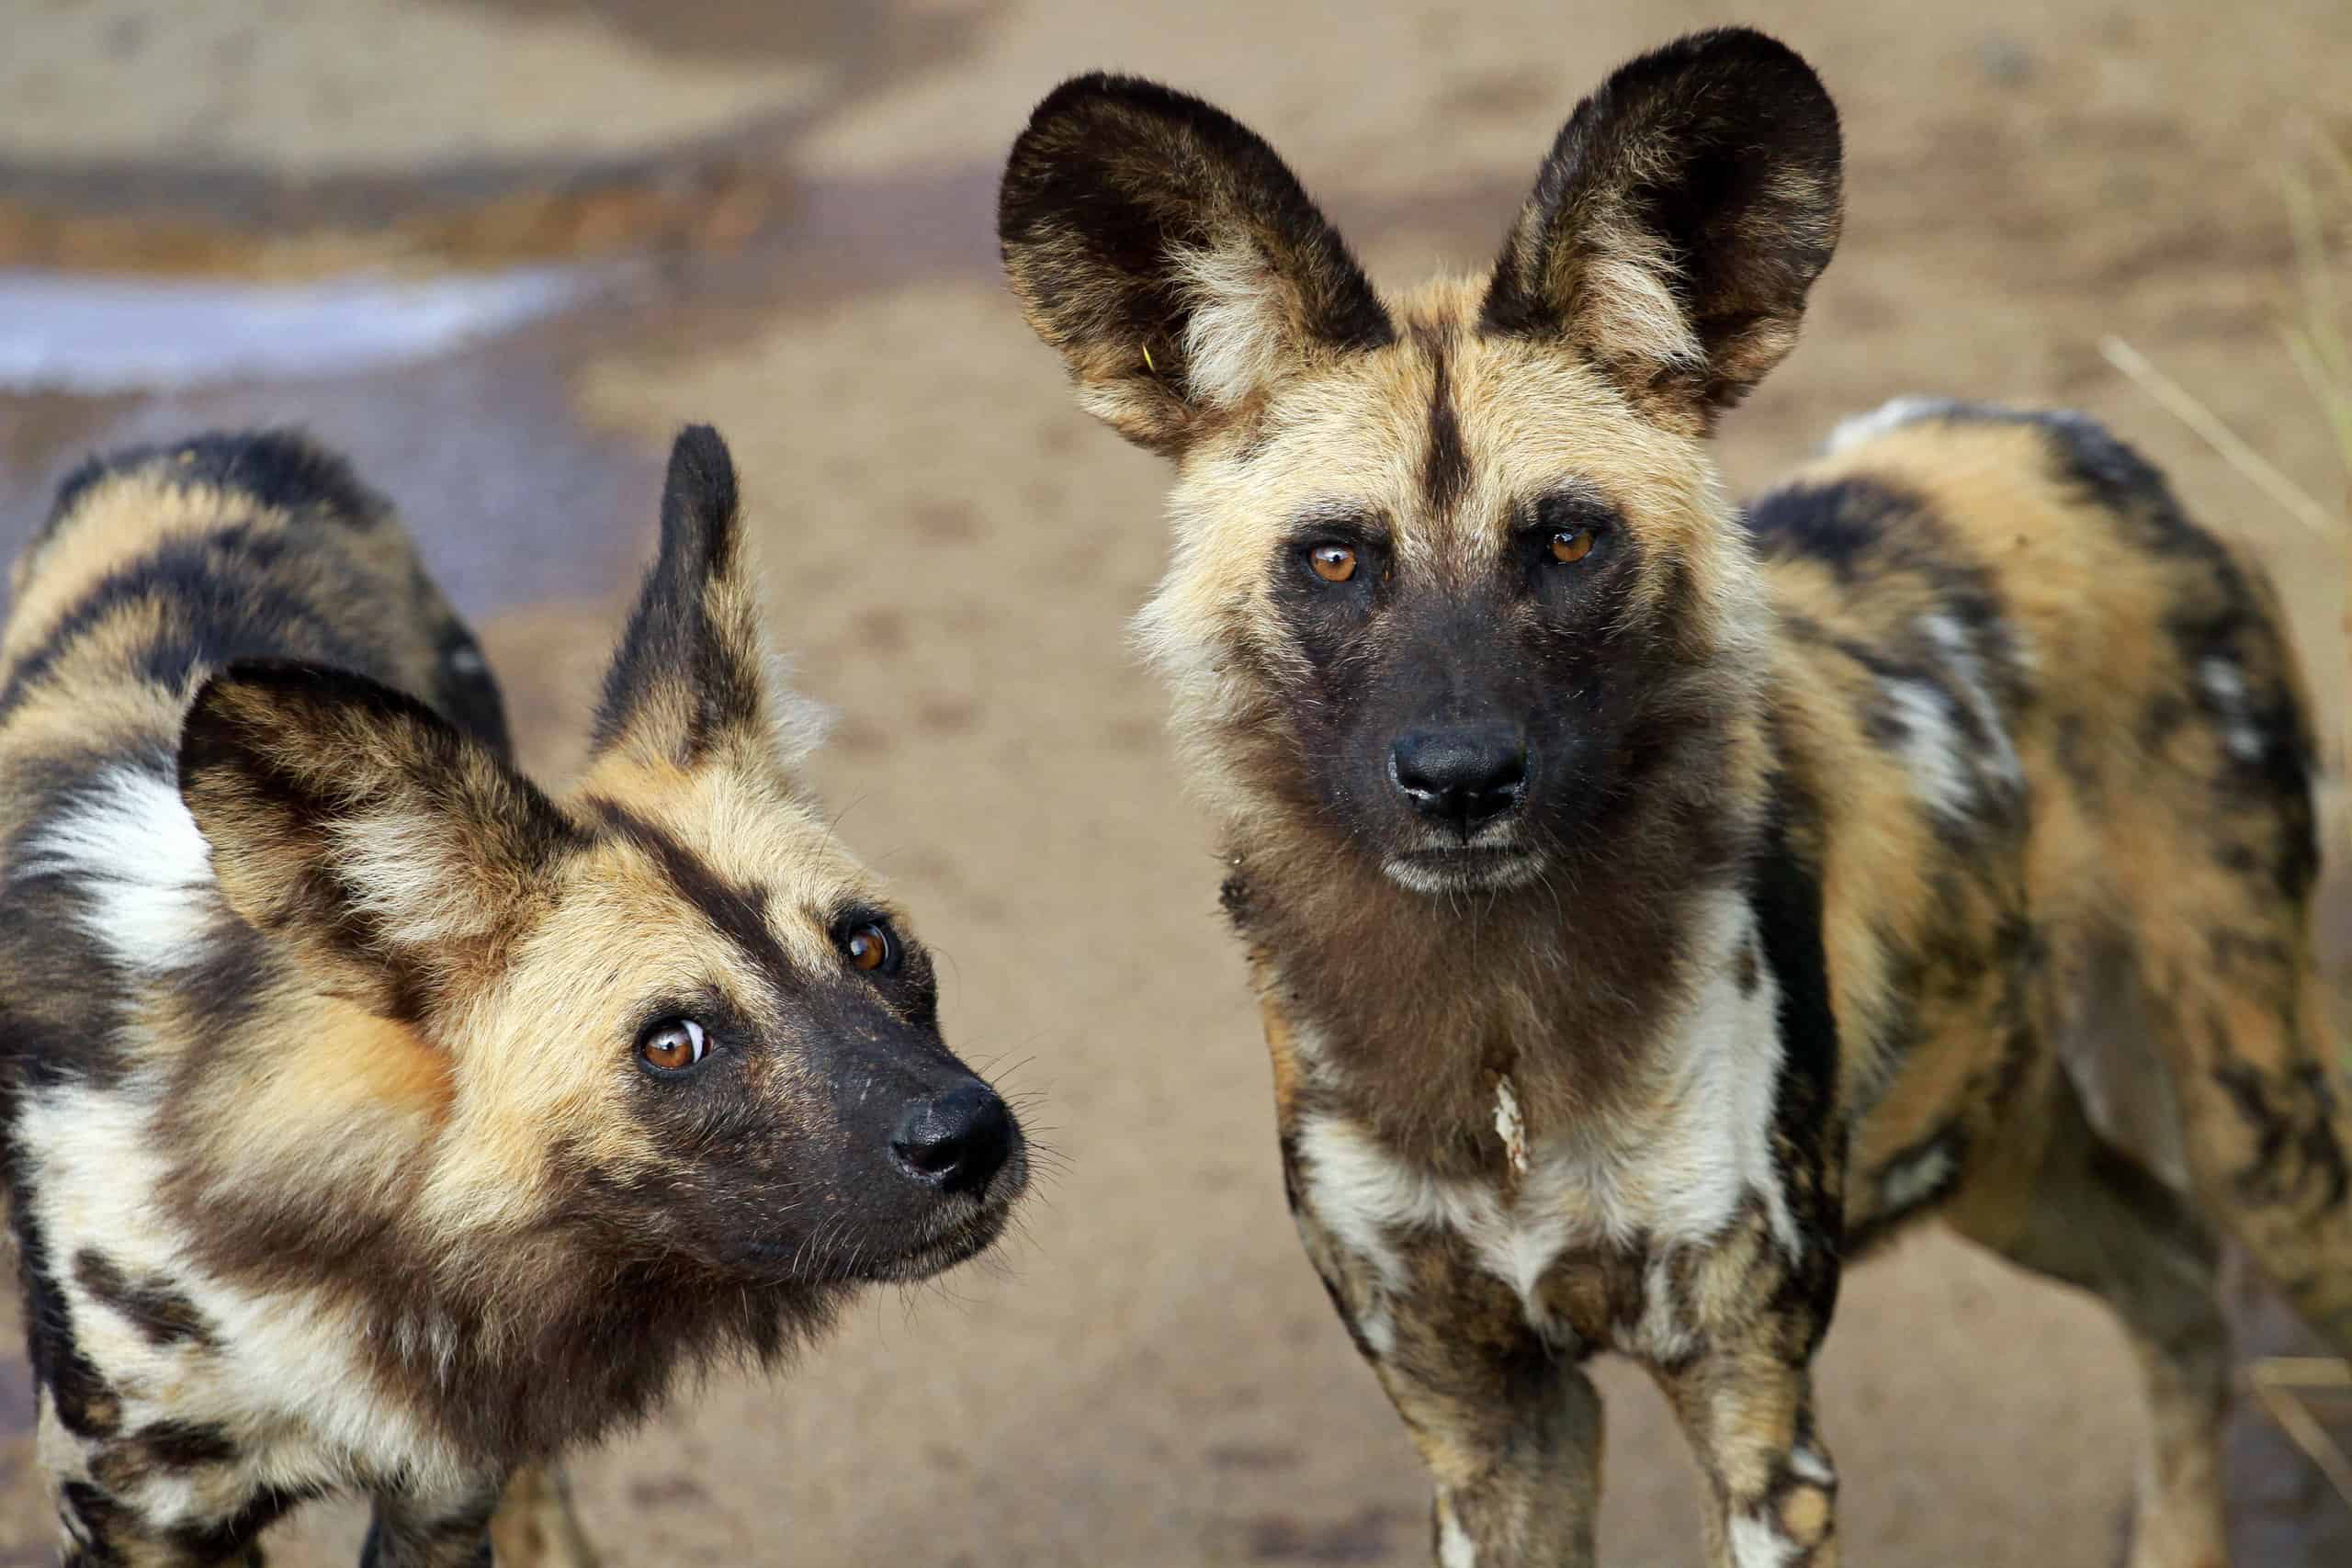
[
  {"x": 1679, "y": 221},
  {"x": 1174, "y": 260},
  {"x": 351, "y": 819},
  {"x": 688, "y": 676}
]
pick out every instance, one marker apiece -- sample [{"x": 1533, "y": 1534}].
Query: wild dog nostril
[
  {"x": 1467, "y": 775},
  {"x": 958, "y": 1140}
]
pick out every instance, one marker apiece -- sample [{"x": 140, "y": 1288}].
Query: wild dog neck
[{"x": 1414, "y": 1015}]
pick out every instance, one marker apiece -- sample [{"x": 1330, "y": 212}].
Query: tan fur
[
  {"x": 1934, "y": 835},
  {"x": 352, "y": 1174}
]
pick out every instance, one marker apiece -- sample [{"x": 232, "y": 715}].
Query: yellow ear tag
[{"x": 1147, "y": 360}]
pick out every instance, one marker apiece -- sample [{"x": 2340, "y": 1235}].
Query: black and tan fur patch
[
  {"x": 339, "y": 1151},
  {"x": 1653, "y": 904}
]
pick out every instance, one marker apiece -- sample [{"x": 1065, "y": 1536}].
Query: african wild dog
[
  {"x": 373, "y": 1120},
  {"x": 1653, "y": 904}
]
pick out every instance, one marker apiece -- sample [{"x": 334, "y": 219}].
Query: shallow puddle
[
  {"x": 95, "y": 335},
  {"x": 447, "y": 393}
]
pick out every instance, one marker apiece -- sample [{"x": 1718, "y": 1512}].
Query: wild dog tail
[{"x": 2266, "y": 1114}]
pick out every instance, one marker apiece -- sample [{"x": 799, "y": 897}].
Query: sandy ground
[{"x": 1149, "y": 1373}]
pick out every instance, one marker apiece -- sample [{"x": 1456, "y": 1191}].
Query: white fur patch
[
  {"x": 1632, "y": 309},
  {"x": 1662, "y": 1334},
  {"x": 1757, "y": 1542},
  {"x": 407, "y": 871},
  {"x": 1716, "y": 1144},
  {"x": 1436, "y": 875},
  {"x": 1510, "y": 1126},
  {"x": 1930, "y": 746},
  {"x": 798, "y": 723},
  {"x": 1236, "y": 339},
  {"x": 1914, "y": 1181},
  {"x": 1364, "y": 1198},
  {"x": 1454, "y": 1547},
  {"x": 1949, "y": 639},
  {"x": 1891, "y": 415},
  {"x": 131, "y": 846},
  {"x": 2223, "y": 684},
  {"x": 283, "y": 1371},
  {"x": 1368, "y": 1197},
  {"x": 1807, "y": 1463},
  {"x": 1951, "y": 773}
]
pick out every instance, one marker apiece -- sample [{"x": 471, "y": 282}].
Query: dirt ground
[{"x": 789, "y": 205}]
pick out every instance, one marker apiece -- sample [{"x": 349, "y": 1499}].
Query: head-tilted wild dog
[
  {"x": 1653, "y": 904},
  {"x": 375, "y": 1120}
]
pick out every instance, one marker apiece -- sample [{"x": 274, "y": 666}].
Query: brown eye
[
  {"x": 1572, "y": 545},
  {"x": 868, "y": 946},
  {"x": 672, "y": 1045},
  {"x": 1333, "y": 563}
]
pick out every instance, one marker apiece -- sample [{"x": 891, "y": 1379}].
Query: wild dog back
[
  {"x": 375, "y": 1120},
  {"x": 2071, "y": 757}
]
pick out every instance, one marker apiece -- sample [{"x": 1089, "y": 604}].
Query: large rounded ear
[
  {"x": 1171, "y": 257},
  {"x": 1685, "y": 210},
  {"x": 691, "y": 679},
  {"x": 357, "y": 826}
]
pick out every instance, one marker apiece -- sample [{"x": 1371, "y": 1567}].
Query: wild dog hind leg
[{"x": 2057, "y": 1197}]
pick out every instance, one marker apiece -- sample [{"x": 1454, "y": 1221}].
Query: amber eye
[
  {"x": 1333, "y": 563},
  {"x": 672, "y": 1045},
  {"x": 869, "y": 947},
  {"x": 1572, "y": 545}
]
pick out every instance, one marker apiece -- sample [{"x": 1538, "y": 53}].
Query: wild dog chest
[
  {"x": 1649, "y": 1226},
  {"x": 1579, "y": 1247}
]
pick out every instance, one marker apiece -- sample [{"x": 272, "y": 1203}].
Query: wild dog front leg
[
  {"x": 1748, "y": 1412},
  {"x": 1513, "y": 1447},
  {"x": 1510, "y": 1431},
  {"x": 414, "y": 1530},
  {"x": 536, "y": 1526}
]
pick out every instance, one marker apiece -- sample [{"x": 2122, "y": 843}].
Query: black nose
[
  {"x": 1467, "y": 775},
  {"x": 956, "y": 1141}
]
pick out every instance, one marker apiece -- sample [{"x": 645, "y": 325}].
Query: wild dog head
[
  {"x": 1453, "y": 588},
  {"x": 662, "y": 1036}
]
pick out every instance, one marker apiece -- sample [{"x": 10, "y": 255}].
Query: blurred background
[{"x": 499, "y": 249}]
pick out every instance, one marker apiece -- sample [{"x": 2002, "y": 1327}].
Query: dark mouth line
[
  {"x": 961, "y": 1244},
  {"x": 1452, "y": 851},
  {"x": 958, "y": 1242}
]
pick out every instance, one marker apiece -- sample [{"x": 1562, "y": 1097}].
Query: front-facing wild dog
[
  {"x": 375, "y": 1121},
  {"x": 1654, "y": 905}
]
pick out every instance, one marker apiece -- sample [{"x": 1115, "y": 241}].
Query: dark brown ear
[
  {"x": 1683, "y": 214},
  {"x": 690, "y": 679},
  {"x": 355, "y": 823},
  {"x": 1171, "y": 257}
]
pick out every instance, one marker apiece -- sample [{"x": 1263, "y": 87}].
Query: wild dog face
[
  {"x": 662, "y": 1030},
  {"x": 1452, "y": 584}
]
